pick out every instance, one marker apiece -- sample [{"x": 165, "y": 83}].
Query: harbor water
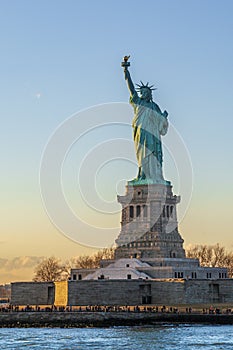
[{"x": 169, "y": 336}]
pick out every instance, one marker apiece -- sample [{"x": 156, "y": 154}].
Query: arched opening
[
  {"x": 131, "y": 211},
  {"x": 164, "y": 212},
  {"x": 171, "y": 211},
  {"x": 173, "y": 254}
]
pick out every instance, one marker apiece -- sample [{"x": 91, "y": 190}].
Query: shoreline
[{"x": 105, "y": 319}]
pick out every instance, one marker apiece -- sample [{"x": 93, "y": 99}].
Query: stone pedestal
[{"x": 149, "y": 223}]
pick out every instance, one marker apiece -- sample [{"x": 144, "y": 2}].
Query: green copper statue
[{"x": 149, "y": 123}]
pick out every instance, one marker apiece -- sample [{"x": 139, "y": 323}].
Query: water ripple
[{"x": 166, "y": 337}]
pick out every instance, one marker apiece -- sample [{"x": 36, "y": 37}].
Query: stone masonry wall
[
  {"x": 125, "y": 292},
  {"x": 136, "y": 292},
  {"x": 32, "y": 293},
  {"x": 209, "y": 291},
  {"x": 103, "y": 292}
]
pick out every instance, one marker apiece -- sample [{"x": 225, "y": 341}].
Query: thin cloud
[{"x": 20, "y": 262}]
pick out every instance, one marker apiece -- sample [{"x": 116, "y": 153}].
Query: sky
[{"x": 65, "y": 120}]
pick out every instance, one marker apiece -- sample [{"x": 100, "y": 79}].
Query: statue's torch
[{"x": 125, "y": 63}]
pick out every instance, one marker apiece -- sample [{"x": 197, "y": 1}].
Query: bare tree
[
  {"x": 229, "y": 264},
  {"x": 50, "y": 269},
  {"x": 212, "y": 256},
  {"x": 93, "y": 261}
]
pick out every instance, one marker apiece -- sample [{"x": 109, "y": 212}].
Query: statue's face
[{"x": 145, "y": 94}]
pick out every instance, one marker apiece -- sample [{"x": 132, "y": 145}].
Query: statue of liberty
[{"x": 149, "y": 123}]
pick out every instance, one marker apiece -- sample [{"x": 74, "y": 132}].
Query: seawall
[{"x": 105, "y": 319}]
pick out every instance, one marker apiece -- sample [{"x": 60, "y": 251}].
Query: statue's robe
[{"x": 148, "y": 125}]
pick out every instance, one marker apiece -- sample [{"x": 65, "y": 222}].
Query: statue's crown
[{"x": 143, "y": 86}]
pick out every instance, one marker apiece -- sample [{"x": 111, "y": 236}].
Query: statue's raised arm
[{"x": 128, "y": 79}]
